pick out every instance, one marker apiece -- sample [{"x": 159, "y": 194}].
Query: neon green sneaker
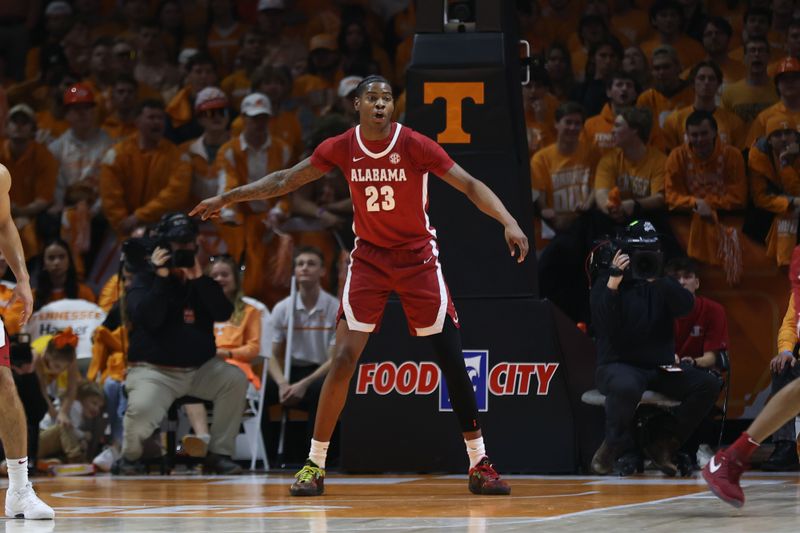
[{"x": 310, "y": 481}]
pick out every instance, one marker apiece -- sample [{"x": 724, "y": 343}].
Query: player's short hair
[
  {"x": 374, "y": 78},
  {"x": 570, "y": 108},
  {"x": 309, "y": 250},
  {"x": 697, "y": 117},
  {"x": 681, "y": 264},
  {"x": 640, "y": 119},
  {"x": 707, "y": 63}
]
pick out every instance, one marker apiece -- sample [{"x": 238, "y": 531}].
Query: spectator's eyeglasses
[{"x": 211, "y": 113}]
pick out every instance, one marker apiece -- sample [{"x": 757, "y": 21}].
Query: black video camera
[
  {"x": 173, "y": 227},
  {"x": 639, "y": 240}
]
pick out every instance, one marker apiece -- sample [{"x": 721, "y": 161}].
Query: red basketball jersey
[{"x": 388, "y": 183}]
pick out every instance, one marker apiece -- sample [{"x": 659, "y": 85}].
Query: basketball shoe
[
  {"x": 310, "y": 481},
  {"x": 484, "y": 479},
  {"x": 24, "y": 503},
  {"x": 722, "y": 474}
]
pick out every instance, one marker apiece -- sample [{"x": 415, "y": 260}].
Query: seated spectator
[
  {"x": 621, "y": 92},
  {"x": 315, "y": 90},
  {"x": 57, "y": 278},
  {"x": 313, "y": 339},
  {"x": 79, "y": 152},
  {"x": 145, "y": 175},
  {"x": 211, "y": 110},
  {"x": 251, "y": 52},
  {"x": 792, "y": 47},
  {"x": 787, "y": 81},
  {"x": 224, "y": 32},
  {"x": 153, "y": 67},
  {"x": 636, "y": 65},
  {"x": 592, "y": 29},
  {"x": 634, "y": 169},
  {"x": 784, "y": 369},
  {"x": 707, "y": 78},
  {"x": 78, "y": 441},
  {"x": 34, "y": 172},
  {"x": 717, "y": 33},
  {"x": 605, "y": 58},
  {"x": 667, "y": 18},
  {"x": 121, "y": 119},
  {"x": 756, "y": 92},
  {"x": 245, "y": 159},
  {"x": 540, "y": 110},
  {"x": 276, "y": 84},
  {"x": 703, "y": 177},
  {"x": 558, "y": 64},
  {"x": 51, "y": 120},
  {"x": 56, "y": 366},
  {"x": 757, "y": 21},
  {"x": 57, "y": 22},
  {"x": 172, "y": 353},
  {"x": 238, "y": 342},
  {"x": 669, "y": 92},
  {"x": 563, "y": 180},
  {"x": 775, "y": 184},
  {"x": 182, "y": 123}
]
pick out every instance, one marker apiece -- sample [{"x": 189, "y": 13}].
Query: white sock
[
  {"x": 17, "y": 473},
  {"x": 476, "y": 451},
  {"x": 205, "y": 437},
  {"x": 319, "y": 452}
]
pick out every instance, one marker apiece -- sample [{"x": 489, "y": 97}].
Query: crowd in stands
[{"x": 114, "y": 113}]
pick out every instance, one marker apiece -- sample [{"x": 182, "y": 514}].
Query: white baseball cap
[
  {"x": 210, "y": 98},
  {"x": 256, "y": 104},
  {"x": 348, "y": 85},
  {"x": 264, "y": 5}
]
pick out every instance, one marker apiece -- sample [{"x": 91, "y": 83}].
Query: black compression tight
[{"x": 447, "y": 348}]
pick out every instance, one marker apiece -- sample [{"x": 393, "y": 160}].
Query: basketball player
[
  {"x": 21, "y": 500},
  {"x": 387, "y": 165}
]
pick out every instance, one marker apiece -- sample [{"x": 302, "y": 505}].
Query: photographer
[
  {"x": 633, "y": 309},
  {"x": 172, "y": 308}
]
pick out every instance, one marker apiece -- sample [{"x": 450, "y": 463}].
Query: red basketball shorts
[
  {"x": 416, "y": 277},
  {"x": 5, "y": 349}
]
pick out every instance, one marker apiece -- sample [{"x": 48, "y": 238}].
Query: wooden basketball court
[{"x": 409, "y": 503}]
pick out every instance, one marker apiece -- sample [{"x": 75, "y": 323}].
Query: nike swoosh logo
[
  {"x": 713, "y": 466},
  {"x": 428, "y": 260},
  {"x": 357, "y": 159},
  {"x": 455, "y": 320}
]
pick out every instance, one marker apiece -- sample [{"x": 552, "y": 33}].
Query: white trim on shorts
[
  {"x": 352, "y": 323},
  {"x": 438, "y": 325}
]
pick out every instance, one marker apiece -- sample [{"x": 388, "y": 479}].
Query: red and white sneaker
[
  {"x": 484, "y": 479},
  {"x": 722, "y": 474}
]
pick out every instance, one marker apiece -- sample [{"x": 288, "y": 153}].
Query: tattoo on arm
[{"x": 276, "y": 183}]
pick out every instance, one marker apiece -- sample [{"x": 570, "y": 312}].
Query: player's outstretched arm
[
  {"x": 488, "y": 202},
  {"x": 274, "y": 184},
  {"x": 11, "y": 247}
]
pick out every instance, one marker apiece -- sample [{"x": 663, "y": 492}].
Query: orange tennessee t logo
[{"x": 453, "y": 93}]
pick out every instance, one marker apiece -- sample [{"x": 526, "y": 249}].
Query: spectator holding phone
[{"x": 775, "y": 184}]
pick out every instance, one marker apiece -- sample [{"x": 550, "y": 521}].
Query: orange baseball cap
[
  {"x": 79, "y": 93},
  {"x": 780, "y": 123}
]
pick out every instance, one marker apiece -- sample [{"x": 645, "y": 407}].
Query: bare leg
[
  {"x": 782, "y": 407},
  {"x": 13, "y": 429},
  {"x": 198, "y": 417},
  {"x": 349, "y": 345}
]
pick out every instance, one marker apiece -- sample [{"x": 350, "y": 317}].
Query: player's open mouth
[{"x": 379, "y": 115}]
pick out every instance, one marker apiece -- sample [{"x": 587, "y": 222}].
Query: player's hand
[
  {"x": 779, "y": 362},
  {"x": 22, "y": 293},
  {"x": 209, "y": 208},
  {"x": 516, "y": 239}
]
